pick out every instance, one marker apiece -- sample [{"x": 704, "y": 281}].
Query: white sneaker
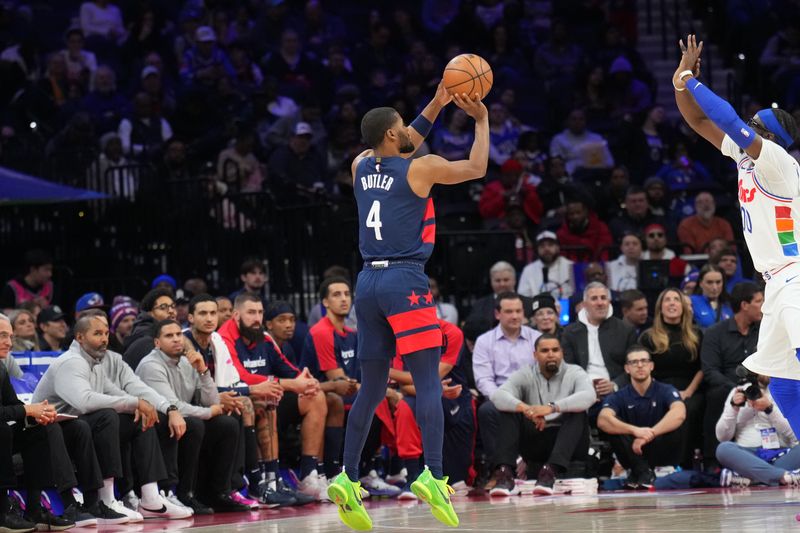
[
  {"x": 131, "y": 500},
  {"x": 322, "y": 482},
  {"x": 170, "y": 496},
  {"x": 729, "y": 478},
  {"x": 378, "y": 487},
  {"x": 167, "y": 511},
  {"x": 309, "y": 485},
  {"x": 118, "y": 507},
  {"x": 407, "y": 495},
  {"x": 399, "y": 478},
  {"x": 461, "y": 488}
]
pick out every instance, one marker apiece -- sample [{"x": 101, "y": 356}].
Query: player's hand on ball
[
  {"x": 442, "y": 97},
  {"x": 472, "y": 105}
]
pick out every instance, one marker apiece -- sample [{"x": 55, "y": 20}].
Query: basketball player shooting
[
  {"x": 769, "y": 198},
  {"x": 394, "y": 306}
]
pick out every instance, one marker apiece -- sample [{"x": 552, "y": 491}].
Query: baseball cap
[
  {"x": 204, "y": 34},
  {"x": 651, "y": 227},
  {"x": 149, "y": 70},
  {"x": 89, "y": 300},
  {"x": 303, "y": 128},
  {"x": 511, "y": 165},
  {"x": 51, "y": 313},
  {"x": 546, "y": 235}
]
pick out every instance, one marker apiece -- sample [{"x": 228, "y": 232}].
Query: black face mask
[{"x": 253, "y": 334}]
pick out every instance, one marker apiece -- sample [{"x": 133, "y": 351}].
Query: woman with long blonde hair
[{"x": 674, "y": 341}]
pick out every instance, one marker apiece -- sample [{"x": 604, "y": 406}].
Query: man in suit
[
  {"x": 597, "y": 342},
  {"x": 504, "y": 279}
]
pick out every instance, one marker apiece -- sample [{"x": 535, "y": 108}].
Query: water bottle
[{"x": 271, "y": 404}]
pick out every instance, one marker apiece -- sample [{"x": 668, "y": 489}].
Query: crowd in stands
[{"x": 620, "y": 317}]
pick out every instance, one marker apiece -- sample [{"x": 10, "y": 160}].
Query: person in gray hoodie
[
  {"x": 97, "y": 386},
  {"x": 542, "y": 417}
]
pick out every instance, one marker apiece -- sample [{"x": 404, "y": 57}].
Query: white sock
[
  {"x": 150, "y": 496},
  {"x": 106, "y": 492}
]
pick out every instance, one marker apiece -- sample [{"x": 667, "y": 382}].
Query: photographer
[{"x": 756, "y": 442}]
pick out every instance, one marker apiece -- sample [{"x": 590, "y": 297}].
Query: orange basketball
[{"x": 468, "y": 73}]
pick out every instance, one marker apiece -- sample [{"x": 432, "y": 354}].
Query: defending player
[
  {"x": 769, "y": 198},
  {"x": 394, "y": 305}
]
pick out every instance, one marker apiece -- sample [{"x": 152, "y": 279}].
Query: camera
[{"x": 748, "y": 384}]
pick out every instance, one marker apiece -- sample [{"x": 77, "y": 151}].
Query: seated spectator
[
  {"x": 583, "y": 236},
  {"x": 81, "y": 64},
  {"x": 281, "y": 322},
  {"x": 710, "y": 301},
  {"x": 689, "y": 282},
  {"x": 628, "y": 96},
  {"x": 25, "y": 337},
  {"x": 295, "y": 69},
  {"x": 318, "y": 310},
  {"x": 597, "y": 342},
  {"x": 186, "y": 383},
  {"x": 683, "y": 174},
  {"x": 655, "y": 235},
  {"x": 161, "y": 96},
  {"x": 52, "y": 329},
  {"x": 122, "y": 315},
  {"x": 542, "y": 418},
  {"x": 532, "y": 155},
  {"x": 104, "y": 103},
  {"x": 644, "y": 421},
  {"x": 258, "y": 359},
  {"x": 110, "y": 173},
  {"x": 121, "y": 411},
  {"x": 297, "y": 168},
  {"x": 579, "y": 147},
  {"x": 637, "y": 215},
  {"x": 699, "y": 229},
  {"x": 255, "y": 280},
  {"x": 29, "y": 429},
  {"x": 281, "y": 132},
  {"x": 747, "y": 454},
  {"x": 238, "y": 167},
  {"x": 444, "y": 309},
  {"x": 725, "y": 346},
  {"x": 498, "y": 354},
  {"x": 674, "y": 342},
  {"x": 728, "y": 262},
  {"x": 459, "y": 416},
  {"x": 551, "y": 273},
  {"x": 204, "y": 64},
  {"x": 649, "y": 143},
  {"x": 454, "y": 141},
  {"x": 34, "y": 284},
  {"x": 103, "y": 20},
  {"x": 157, "y": 305},
  {"x": 224, "y": 308},
  {"x": 659, "y": 200},
  {"x": 611, "y": 197},
  {"x": 510, "y": 189},
  {"x": 634, "y": 310},
  {"x": 145, "y": 132},
  {"x": 545, "y": 315},
  {"x": 555, "y": 190},
  {"x": 503, "y": 278},
  {"x": 504, "y": 131},
  {"x": 623, "y": 272}
]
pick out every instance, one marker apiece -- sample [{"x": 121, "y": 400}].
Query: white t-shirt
[
  {"x": 597, "y": 365},
  {"x": 621, "y": 275},
  {"x": 769, "y": 191},
  {"x": 666, "y": 255},
  {"x": 560, "y": 282}
]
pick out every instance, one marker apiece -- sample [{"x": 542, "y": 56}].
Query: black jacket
[
  {"x": 140, "y": 342},
  {"x": 615, "y": 339},
  {"x": 12, "y": 408}
]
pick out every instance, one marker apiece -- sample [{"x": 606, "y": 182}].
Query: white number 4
[{"x": 374, "y": 219}]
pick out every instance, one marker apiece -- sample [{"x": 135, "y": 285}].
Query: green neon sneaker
[
  {"x": 436, "y": 493},
  {"x": 346, "y": 495}
]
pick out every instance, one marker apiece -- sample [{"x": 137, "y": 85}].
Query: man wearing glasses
[
  {"x": 644, "y": 421},
  {"x": 157, "y": 305}
]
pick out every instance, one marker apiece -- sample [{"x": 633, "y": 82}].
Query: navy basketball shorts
[{"x": 395, "y": 311}]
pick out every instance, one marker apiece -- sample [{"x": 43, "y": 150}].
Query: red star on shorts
[
  {"x": 428, "y": 297},
  {"x": 414, "y": 298}
]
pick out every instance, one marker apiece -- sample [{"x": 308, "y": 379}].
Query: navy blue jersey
[
  {"x": 643, "y": 411},
  {"x": 394, "y": 223},
  {"x": 327, "y": 349}
]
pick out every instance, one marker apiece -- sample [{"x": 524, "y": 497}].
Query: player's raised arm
[
  {"x": 709, "y": 115},
  {"x": 432, "y": 169},
  {"x": 421, "y": 126}
]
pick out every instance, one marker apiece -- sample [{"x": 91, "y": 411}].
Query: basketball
[{"x": 468, "y": 73}]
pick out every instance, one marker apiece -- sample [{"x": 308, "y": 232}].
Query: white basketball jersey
[{"x": 769, "y": 200}]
